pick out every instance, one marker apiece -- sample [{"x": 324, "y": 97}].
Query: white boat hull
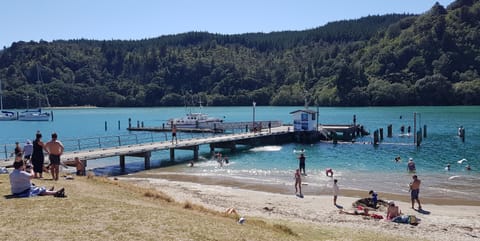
[
  {"x": 36, "y": 115},
  {"x": 7, "y": 116}
]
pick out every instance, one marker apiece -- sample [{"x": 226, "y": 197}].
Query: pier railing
[{"x": 97, "y": 142}]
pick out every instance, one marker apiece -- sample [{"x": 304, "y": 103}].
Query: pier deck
[{"x": 280, "y": 134}]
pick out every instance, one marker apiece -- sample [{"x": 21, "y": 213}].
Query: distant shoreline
[{"x": 71, "y": 107}]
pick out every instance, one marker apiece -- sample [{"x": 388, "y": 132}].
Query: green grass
[{"x": 102, "y": 209}]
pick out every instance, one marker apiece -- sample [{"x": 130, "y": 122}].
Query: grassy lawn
[{"x": 101, "y": 209}]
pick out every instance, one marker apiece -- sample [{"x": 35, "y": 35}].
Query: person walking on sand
[
  {"x": 55, "y": 149},
  {"x": 414, "y": 191},
  {"x": 301, "y": 163},
  {"x": 336, "y": 191},
  {"x": 38, "y": 158},
  {"x": 298, "y": 182}
]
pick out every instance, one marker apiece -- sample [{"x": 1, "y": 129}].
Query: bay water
[{"x": 358, "y": 165}]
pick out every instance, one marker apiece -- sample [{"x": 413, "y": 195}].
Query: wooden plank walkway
[{"x": 166, "y": 145}]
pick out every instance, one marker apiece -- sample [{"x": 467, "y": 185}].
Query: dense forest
[{"x": 389, "y": 60}]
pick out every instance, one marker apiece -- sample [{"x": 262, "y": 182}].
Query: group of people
[
  {"x": 221, "y": 160},
  {"x": 32, "y": 155},
  {"x": 393, "y": 212}
]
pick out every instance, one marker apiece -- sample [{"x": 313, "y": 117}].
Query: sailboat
[
  {"x": 35, "y": 114},
  {"x": 5, "y": 115}
]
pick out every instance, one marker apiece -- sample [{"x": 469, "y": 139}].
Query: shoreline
[
  {"x": 439, "y": 220},
  {"x": 285, "y": 190}
]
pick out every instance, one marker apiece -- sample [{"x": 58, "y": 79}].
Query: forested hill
[{"x": 398, "y": 59}]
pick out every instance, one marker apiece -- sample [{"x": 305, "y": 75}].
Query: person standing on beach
[
  {"x": 298, "y": 182},
  {"x": 54, "y": 149},
  {"x": 301, "y": 163},
  {"x": 37, "y": 156},
  {"x": 414, "y": 191},
  {"x": 336, "y": 191}
]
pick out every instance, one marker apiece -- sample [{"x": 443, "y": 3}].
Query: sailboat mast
[{"x": 1, "y": 95}]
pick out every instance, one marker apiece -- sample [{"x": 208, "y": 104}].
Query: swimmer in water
[{"x": 397, "y": 159}]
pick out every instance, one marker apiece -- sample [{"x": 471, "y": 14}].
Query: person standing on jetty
[
  {"x": 174, "y": 133},
  {"x": 414, "y": 191},
  {"x": 37, "y": 156},
  {"x": 54, "y": 149},
  {"x": 301, "y": 163}
]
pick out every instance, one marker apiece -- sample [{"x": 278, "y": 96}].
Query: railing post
[
  {"x": 6, "y": 154},
  {"x": 119, "y": 141}
]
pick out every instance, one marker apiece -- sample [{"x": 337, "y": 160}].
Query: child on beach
[
  {"x": 336, "y": 190},
  {"x": 298, "y": 182},
  {"x": 374, "y": 198}
]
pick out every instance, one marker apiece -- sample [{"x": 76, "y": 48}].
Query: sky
[{"x": 26, "y": 20}]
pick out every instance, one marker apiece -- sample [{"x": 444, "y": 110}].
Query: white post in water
[{"x": 253, "y": 123}]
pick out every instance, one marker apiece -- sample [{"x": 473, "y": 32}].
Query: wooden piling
[
  {"x": 381, "y": 134},
  {"x": 424, "y": 131},
  {"x": 106, "y": 126},
  {"x": 389, "y": 131},
  {"x": 172, "y": 154},
  {"x": 122, "y": 163},
  {"x": 375, "y": 137}
]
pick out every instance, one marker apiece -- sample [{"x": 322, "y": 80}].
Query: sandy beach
[{"x": 440, "y": 219}]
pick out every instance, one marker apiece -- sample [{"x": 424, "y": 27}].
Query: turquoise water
[{"x": 358, "y": 165}]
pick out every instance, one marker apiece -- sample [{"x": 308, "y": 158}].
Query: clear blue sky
[{"x": 25, "y": 20}]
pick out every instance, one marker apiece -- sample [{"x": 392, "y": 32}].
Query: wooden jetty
[{"x": 276, "y": 135}]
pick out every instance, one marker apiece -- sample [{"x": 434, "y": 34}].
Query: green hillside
[{"x": 397, "y": 59}]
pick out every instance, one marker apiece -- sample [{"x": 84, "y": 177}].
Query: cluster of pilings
[{"x": 419, "y": 135}]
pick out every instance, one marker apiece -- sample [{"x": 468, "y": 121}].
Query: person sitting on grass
[
  {"x": 21, "y": 185},
  {"x": 80, "y": 166}
]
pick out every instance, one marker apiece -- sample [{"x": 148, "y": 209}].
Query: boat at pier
[{"x": 194, "y": 120}]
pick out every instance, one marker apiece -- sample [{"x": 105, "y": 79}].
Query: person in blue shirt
[{"x": 374, "y": 198}]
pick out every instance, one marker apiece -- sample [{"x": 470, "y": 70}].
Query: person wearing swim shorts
[
  {"x": 55, "y": 149},
  {"x": 414, "y": 191}
]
